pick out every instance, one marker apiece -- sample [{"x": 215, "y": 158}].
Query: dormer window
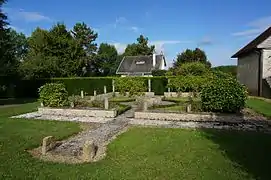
[{"x": 140, "y": 62}]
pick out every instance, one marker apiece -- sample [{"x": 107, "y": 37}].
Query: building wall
[
  {"x": 266, "y": 59},
  {"x": 265, "y": 44},
  {"x": 247, "y": 72}
]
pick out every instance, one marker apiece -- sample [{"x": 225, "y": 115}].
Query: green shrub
[
  {"x": 53, "y": 95},
  {"x": 223, "y": 95},
  {"x": 192, "y": 69},
  {"x": 133, "y": 85},
  {"x": 78, "y": 101},
  {"x": 159, "y": 72},
  {"x": 187, "y": 83}
]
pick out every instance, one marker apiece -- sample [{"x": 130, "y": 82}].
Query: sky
[{"x": 219, "y": 27}]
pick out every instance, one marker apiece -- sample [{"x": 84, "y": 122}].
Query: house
[
  {"x": 141, "y": 65},
  {"x": 254, "y": 65}
]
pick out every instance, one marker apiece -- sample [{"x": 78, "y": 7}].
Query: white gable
[{"x": 266, "y": 43}]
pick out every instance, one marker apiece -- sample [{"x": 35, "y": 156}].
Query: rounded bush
[
  {"x": 223, "y": 95},
  {"x": 53, "y": 95},
  {"x": 133, "y": 85}
]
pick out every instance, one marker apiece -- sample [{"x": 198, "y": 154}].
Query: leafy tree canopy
[
  {"x": 189, "y": 55},
  {"x": 139, "y": 48}
]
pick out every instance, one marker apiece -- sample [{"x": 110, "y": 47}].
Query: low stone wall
[
  {"x": 191, "y": 117},
  {"x": 101, "y": 97},
  {"x": 78, "y": 112},
  {"x": 176, "y": 94},
  {"x": 147, "y": 94}
]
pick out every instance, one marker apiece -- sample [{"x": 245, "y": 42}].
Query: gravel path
[{"x": 100, "y": 136}]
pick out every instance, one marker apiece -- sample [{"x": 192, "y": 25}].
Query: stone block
[
  {"x": 48, "y": 143},
  {"x": 89, "y": 151},
  {"x": 106, "y": 103},
  {"x": 105, "y": 91},
  {"x": 188, "y": 108},
  {"x": 149, "y": 94},
  {"x": 145, "y": 106}
]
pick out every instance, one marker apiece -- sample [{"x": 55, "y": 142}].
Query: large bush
[
  {"x": 187, "y": 83},
  {"x": 133, "y": 85},
  {"x": 223, "y": 95},
  {"x": 192, "y": 69},
  {"x": 53, "y": 95}
]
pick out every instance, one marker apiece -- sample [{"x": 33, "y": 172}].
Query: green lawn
[
  {"x": 122, "y": 99},
  {"x": 140, "y": 153},
  {"x": 260, "y": 106}
]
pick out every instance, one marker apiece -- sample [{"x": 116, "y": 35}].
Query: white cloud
[
  {"x": 16, "y": 28},
  {"x": 134, "y": 29},
  {"x": 205, "y": 41},
  {"x": 255, "y": 27},
  {"x": 28, "y": 16},
  {"x": 120, "y": 20},
  {"x": 120, "y": 47},
  {"x": 160, "y": 45}
]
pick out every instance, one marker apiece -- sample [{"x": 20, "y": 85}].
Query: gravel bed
[
  {"x": 245, "y": 125},
  {"x": 39, "y": 116}
]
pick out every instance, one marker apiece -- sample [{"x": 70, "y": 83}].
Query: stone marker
[
  {"x": 72, "y": 105},
  {"x": 145, "y": 106},
  {"x": 106, "y": 103},
  {"x": 168, "y": 89},
  {"x": 113, "y": 85},
  {"x": 104, "y": 89},
  {"x": 41, "y": 104},
  {"x": 95, "y": 93},
  {"x": 188, "y": 108},
  {"x": 88, "y": 151},
  {"x": 82, "y": 94},
  {"x": 149, "y": 85},
  {"x": 48, "y": 143}
]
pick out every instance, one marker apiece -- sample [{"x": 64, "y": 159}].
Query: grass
[
  {"x": 140, "y": 153},
  {"x": 13, "y": 101},
  {"x": 121, "y": 108},
  {"x": 122, "y": 99},
  {"x": 260, "y": 106}
]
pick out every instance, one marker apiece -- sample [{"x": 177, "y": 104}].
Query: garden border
[{"x": 78, "y": 112}]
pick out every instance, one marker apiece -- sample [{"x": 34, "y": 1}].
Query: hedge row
[{"x": 29, "y": 88}]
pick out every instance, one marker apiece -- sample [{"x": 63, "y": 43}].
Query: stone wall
[
  {"x": 78, "y": 112},
  {"x": 189, "y": 117},
  {"x": 177, "y": 94}
]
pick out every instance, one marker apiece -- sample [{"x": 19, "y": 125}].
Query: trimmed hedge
[
  {"x": 75, "y": 85},
  {"x": 29, "y": 88}
]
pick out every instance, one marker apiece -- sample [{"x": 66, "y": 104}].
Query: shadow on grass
[
  {"x": 11, "y": 101},
  {"x": 250, "y": 151}
]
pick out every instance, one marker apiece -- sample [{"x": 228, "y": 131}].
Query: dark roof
[
  {"x": 139, "y": 64},
  {"x": 253, "y": 44}
]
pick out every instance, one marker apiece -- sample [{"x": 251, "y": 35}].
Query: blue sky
[{"x": 220, "y": 27}]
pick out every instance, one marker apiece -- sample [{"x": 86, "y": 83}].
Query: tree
[
  {"x": 139, "y": 48},
  {"x": 86, "y": 37},
  {"x": 189, "y": 55},
  {"x": 53, "y": 53},
  {"x": 106, "y": 59}
]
